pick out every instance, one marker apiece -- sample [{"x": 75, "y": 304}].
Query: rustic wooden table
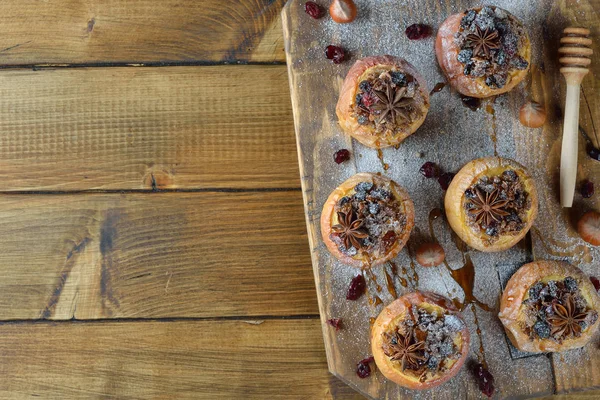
[{"x": 153, "y": 237}]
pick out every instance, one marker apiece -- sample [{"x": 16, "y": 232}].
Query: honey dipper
[{"x": 575, "y": 58}]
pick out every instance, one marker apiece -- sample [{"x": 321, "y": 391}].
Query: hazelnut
[
  {"x": 532, "y": 115},
  {"x": 343, "y": 11}
]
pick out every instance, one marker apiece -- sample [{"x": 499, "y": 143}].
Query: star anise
[
  {"x": 488, "y": 208},
  {"x": 349, "y": 229},
  {"x": 393, "y": 103},
  {"x": 566, "y": 319},
  {"x": 404, "y": 348},
  {"x": 484, "y": 41}
]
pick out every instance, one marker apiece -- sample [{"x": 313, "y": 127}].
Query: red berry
[
  {"x": 587, "y": 189},
  {"x": 341, "y": 155},
  {"x": 335, "y": 53},
  {"x": 430, "y": 170},
  {"x": 335, "y": 322},
  {"x": 314, "y": 10},
  {"x": 357, "y": 288},
  {"x": 430, "y": 254},
  {"x": 445, "y": 179},
  {"x": 367, "y": 100},
  {"x": 588, "y": 228},
  {"x": 484, "y": 379},
  {"x": 595, "y": 282},
  {"x": 363, "y": 369},
  {"x": 418, "y": 31}
]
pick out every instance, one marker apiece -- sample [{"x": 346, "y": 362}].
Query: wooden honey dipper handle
[{"x": 575, "y": 58}]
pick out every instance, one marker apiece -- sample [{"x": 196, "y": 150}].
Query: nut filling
[
  {"x": 489, "y": 41},
  {"x": 386, "y": 101},
  {"x": 369, "y": 221},
  {"x": 424, "y": 343},
  {"x": 556, "y": 310},
  {"x": 497, "y": 205}
]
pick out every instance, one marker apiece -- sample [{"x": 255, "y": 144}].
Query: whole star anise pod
[
  {"x": 393, "y": 103},
  {"x": 488, "y": 208},
  {"x": 484, "y": 41},
  {"x": 566, "y": 319},
  {"x": 404, "y": 348},
  {"x": 349, "y": 229}
]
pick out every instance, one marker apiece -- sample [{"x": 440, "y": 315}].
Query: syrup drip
[
  {"x": 383, "y": 163},
  {"x": 415, "y": 277},
  {"x": 378, "y": 301},
  {"x": 464, "y": 276},
  {"x": 371, "y": 276},
  {"x": 437, "y": 88},
  {"x": 372, "y": 320},
  {"x": 481, "y": 355},
  {"x": 472, "y": 103},
  {"x": 403, "y": 280},
  {"x": 390, "y": 284},
  {"x": 394, "y": 269},
  {"x": 494, "y": 134}
]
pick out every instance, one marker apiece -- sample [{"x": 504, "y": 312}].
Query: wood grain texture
[
  {"x": 448, "y": 127},
  {"x": 154, "y": 256},
  {"x": 276, "y": 359},
  {"x": 145, "y": 128},
  {"x": 588, "y": 395},
  {"x": 143, "y": 31}
]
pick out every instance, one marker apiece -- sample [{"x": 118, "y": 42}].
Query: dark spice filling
[
  {"x": 497, "y": 205},
  {"x": 556, "y": 310},
  {"x": 386, "y": 101},
  {"x": 423, "y": 343},
  {"x": 369, "y": 221},
  {"x": 489, "y": 42}
]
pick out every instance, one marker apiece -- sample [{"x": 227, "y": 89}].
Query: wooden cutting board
[{"x": 451, "y": 136}]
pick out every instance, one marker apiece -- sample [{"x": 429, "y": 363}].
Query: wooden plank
[
  {"x": 578, "y": 369},
  {"x": 142, "y": 360},
  {"x": 139, "y": 128},
  {"x": 588, "y": 395},
  {"x": 448, "y": 127},
  {"x": 144, "y": 31},
  {"x": 154, "y": 255}
]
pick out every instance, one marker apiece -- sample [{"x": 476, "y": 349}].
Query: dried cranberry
[
  {"x": 357, "y": 288},
  {"x": 587, "y": 189},
  {"x": 336, "y": 323},
  {"x": 484, "y": 379},
  {"x": 335, "y": 53},
  {"x": 367, "y": 100},
  {"x": 314, "y": 10},
  {"x": 418, "y": 31},
  {"x": 596, "y": 282},
  {"x": 593, "y": 152},
  {"x": 341, "y": 155},
  {"x": 363, "y": 369},
  {"x": 445, "y": 179},
  {"x": 430, "y": 170}
]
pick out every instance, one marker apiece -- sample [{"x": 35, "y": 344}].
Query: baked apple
[
  {"x": 367, "y": 220},
  {"x": 491, "y": 203},
  {"x": 420, "y": 340},
  {"x": 483, "y": 51},
  {"x": 549, "y": 306},
  {"x": 383, "y": 101}
]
